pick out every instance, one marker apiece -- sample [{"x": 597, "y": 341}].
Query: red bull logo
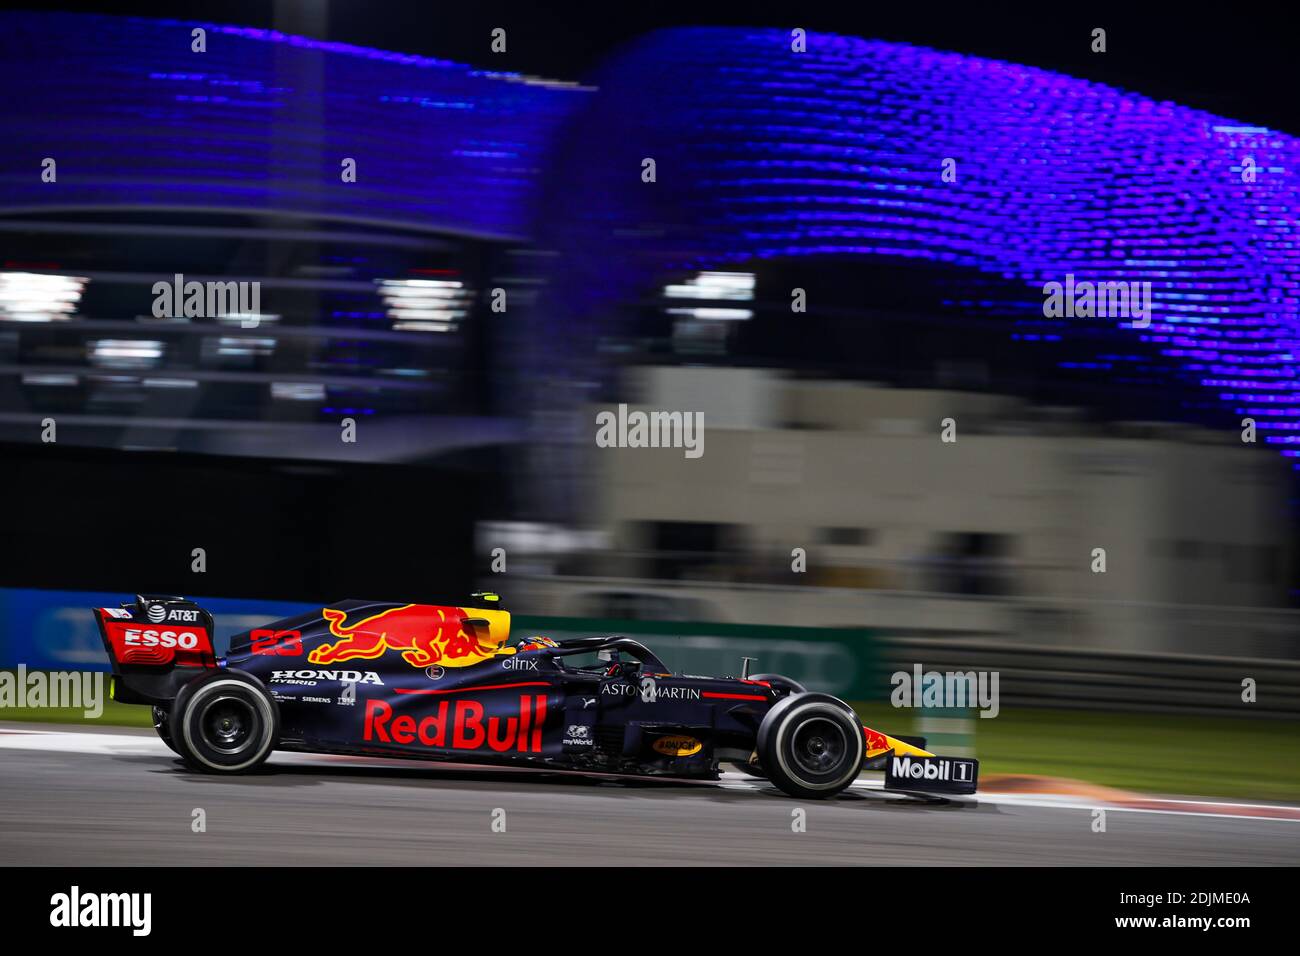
[
  {"x": 461, "y": 726},
  {"x": 875, "y": 740},
  {"x": 425, "y": 634}
]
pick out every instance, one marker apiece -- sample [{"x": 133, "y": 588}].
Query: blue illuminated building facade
[
  {"x": 262, "y": 121},
  {"x": 762, "y": 155}
]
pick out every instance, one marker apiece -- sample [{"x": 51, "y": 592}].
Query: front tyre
[
  {"x": 811, "y": 746},
  {"x": 225, "y": 722},
  {"x": 779, "y": 682}
]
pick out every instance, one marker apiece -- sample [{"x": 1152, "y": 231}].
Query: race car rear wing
[{"x": 156, "y": 644}]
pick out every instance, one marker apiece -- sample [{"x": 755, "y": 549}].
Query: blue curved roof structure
[
  {"x": 766, "y": 153},
  {"x": 762, "y": 152},
  {"x": 262, "y": 121}
]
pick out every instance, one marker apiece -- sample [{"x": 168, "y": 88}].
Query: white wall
[{"x": 1059, "y": 497}]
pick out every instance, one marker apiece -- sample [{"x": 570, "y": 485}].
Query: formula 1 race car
[{"x": 437, "y": 682}]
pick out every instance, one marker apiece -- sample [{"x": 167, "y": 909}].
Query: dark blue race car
[{"x": 442, "y": 682}]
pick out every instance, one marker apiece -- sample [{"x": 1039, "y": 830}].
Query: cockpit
[{"x": 615, "y": 655}]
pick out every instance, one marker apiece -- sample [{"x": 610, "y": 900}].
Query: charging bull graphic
[
  {"x": 876, "y": 741},
  {"x": 425, "y": 634}
]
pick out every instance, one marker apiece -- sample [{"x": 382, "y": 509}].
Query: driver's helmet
[{"x": 536, "y": 643}]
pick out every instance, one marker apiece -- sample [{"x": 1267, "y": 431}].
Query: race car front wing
[{"x": 931, "y": 774}]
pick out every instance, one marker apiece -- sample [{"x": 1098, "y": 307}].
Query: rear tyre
[
  {"x": 225, "y": 722},
  {"x": 811, "y": 746},
  {"x": 161, "y": 723}
]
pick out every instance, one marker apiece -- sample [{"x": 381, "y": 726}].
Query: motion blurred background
[{"x": 826, "y": 529}]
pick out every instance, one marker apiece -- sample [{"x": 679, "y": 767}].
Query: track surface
[{"x": 120, "y": 797}]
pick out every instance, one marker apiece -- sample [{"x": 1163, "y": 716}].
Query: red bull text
[{"x": 460, "y": 726}]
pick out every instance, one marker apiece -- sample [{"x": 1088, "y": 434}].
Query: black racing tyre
[
  {"x": 224, "y": 722},
  {"x": 161, "y": 723},
  {"x": 751, "y": 767},
  {"x": 792, "y": 686},
  {"x": 811, "y": 745}
]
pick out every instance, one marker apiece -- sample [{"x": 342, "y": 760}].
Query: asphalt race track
[{"x": 118, "y": 796}]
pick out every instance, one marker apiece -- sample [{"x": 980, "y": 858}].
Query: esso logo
[{"x": 185, "y": 640}]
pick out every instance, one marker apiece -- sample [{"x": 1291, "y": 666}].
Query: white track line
[{"x": 17, "y": 737}]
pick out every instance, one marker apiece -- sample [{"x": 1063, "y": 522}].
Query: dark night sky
[{"x": 1239, "y": 63}]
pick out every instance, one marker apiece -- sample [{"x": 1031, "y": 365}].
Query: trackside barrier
[{"x": 1109, "y": 680}]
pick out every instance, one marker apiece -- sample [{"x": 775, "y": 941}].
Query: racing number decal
[{"x": 277, "y": 643}]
